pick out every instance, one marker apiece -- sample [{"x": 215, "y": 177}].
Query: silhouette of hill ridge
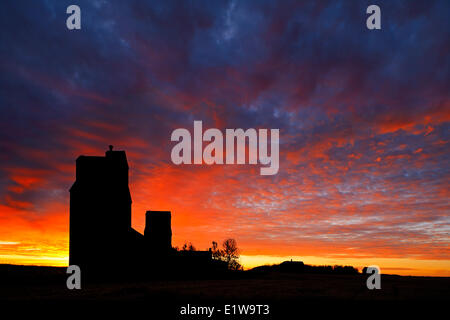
[{"x": 300, "y": 267}]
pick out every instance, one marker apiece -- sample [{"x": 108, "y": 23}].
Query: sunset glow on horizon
[{"x": 364, "y": 118}]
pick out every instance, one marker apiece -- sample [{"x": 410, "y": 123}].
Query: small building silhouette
[
  {"x": 101, "y": 235},
  {"x": 158, "y": 231}
]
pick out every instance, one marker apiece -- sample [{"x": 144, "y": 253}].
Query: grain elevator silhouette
[{"x": 101, "y": 236}]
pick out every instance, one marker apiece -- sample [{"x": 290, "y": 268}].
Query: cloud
[{"x": 363, "y": 119}]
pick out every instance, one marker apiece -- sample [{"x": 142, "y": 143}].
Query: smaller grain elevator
[{"x": 158, "y": 231}]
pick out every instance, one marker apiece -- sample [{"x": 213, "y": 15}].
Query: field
[{"x": 285, "y": 293}]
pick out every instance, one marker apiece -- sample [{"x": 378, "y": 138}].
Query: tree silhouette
[
  {"x": 216, "y": 252},
  {"x": 188, "y": 247},
  {"x": 229, "y": 253}
]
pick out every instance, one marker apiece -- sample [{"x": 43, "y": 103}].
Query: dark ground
[{"x": 285, "y": 293}]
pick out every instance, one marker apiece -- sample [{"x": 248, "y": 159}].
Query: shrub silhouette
[
  {"x": 300, "y": 267},
  {"x": 188, "y": 247},
  {"x": 229, "y": 253}
]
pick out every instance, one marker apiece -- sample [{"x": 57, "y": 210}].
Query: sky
[{"x": 364, "y": 118}]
